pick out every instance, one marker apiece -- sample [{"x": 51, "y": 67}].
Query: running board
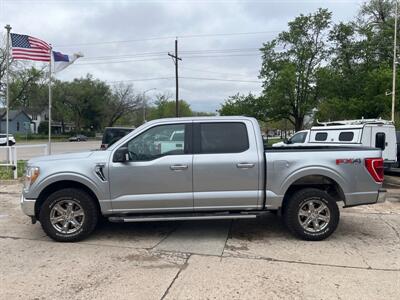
[{"x": 155, "y": 218}]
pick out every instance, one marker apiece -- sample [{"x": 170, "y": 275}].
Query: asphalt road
[
  {"x": 30, "y": 150},
  {"x": 243, "y": 259}
]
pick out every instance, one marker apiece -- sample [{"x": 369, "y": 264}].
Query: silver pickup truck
[{"x": 218, "y": 169}]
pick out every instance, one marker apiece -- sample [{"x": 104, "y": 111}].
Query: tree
[
  {"x": 87, "y": 99},
  {"x": 243, "y": 105},
  {"x": 354, "y": 83},
  {"x": 122, "y": 102},
  {"x": 165, "y": 108},
  {"x": 289, "y": 75},
  {"x": 29, "y": 90}
]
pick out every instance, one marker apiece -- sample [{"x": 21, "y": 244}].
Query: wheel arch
[
  {"x": 318, "y": 181},
  {"x": 62, "y": 184}
]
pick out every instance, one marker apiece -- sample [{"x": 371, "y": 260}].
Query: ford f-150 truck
[{"x": 222, "y": 171}]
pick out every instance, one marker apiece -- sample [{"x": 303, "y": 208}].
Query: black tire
[
  {"x": 71, "y": 195},
  {"x": 293, "y": 216}
]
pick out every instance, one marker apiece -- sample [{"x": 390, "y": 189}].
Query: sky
[{"x": 128, "y": 41}]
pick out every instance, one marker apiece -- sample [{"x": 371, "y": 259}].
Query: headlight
[{"x": 32, "y": 173}]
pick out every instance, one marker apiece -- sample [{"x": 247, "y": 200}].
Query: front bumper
[
  {"x": 381, "y": 196},
  {"x": 28, "y": 206}
]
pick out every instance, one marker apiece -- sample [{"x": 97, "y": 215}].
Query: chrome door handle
[
  {"x": 178, "y": 167},
  {"x": 244, "y": 165}
]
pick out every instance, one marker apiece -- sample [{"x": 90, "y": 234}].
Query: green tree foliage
[
  {"x": 354, "y": 84},
  {"x": 243, "y": 105},
  {"x": 165, "y": 108},
  {"x": 344, "y": 70},
  {"x": 289, "y": 67}
]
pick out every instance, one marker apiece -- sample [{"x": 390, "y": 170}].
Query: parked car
[
  {"x": 222, "y": 172},
  {"x": 78, "y": 138},
  {"x": 113, "y": 134},
  {"x": 374, "y": 133},
  {"x": 3, "y": 139}
]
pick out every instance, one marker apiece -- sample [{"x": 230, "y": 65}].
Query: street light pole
[
  {"x": 144, "y": 103},
  {"x": 394, "y": 62}
]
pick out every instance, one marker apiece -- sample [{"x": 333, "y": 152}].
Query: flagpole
[
  {"x": 50, "y": 96},
  {"x": 8, "y": 28}
]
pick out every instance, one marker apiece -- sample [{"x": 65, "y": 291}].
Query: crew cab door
[
  {"x": 154, "y": 178},
  {"x": 225, "y": 166}
]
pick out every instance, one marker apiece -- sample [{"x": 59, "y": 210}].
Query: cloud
[{"x": 73, "y": 25}]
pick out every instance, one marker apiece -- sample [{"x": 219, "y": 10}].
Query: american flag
[{"x": 30, "y": 48}]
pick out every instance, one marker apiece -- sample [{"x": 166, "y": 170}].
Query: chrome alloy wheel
[
  {"x": 314, "y": 215},
  {"x": 67, "y": 216}
]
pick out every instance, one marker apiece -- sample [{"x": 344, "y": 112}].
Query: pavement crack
[
  {"x": 397, "y": 233},
  {"x": 184, "y": 266},
  {"x": 165, "y": 237},
  {"x": 308, "y": 263},
  {"x": 227, "y": 237}
]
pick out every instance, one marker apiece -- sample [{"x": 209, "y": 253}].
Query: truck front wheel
[
  {"x": 311, "y": 214},
  {"x": 68, "y": 215}
]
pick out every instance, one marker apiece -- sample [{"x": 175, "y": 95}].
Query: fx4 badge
[{"x": 354, "y": 161}]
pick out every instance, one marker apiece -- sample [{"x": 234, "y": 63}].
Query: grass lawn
[
  {"x": 7, "y": 172},
  {"x": 273, "y": 141}
]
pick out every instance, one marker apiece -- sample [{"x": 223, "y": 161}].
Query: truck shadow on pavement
[{"x": 266, "y": 228}]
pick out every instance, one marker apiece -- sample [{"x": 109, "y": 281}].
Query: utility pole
[
  {"x": 175, "y": 58},
  {"x": 394, "y": 62}
]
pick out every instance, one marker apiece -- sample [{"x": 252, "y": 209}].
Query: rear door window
[{"x": 223, "y": 137}]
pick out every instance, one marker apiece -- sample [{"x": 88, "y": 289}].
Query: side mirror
[
  {"x": 121, "y": 155},
  {"x": 286, "y": 141}
]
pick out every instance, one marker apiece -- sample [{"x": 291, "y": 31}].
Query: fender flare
[{"x": 314, "y": 170}]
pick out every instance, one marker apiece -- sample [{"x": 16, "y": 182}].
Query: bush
[{"x": 43, "y": 127}]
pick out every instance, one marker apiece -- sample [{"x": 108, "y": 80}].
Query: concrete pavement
[
  {"x": 242, "y": 259},
  {"x": 27, "y": 152}
]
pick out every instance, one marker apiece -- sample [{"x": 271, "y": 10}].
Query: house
[
  {"x": 18, "y": 121},
  {"x": 57, "y": 127}
]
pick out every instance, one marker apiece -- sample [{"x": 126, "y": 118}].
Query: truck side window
[
  {"x": 223, "y": 138},
  {"x": 346, "y": 136},
  {"x": 380, "y": 140},
  {"x": 321, "y": 136},
  {"x": 156, "y": 142}
]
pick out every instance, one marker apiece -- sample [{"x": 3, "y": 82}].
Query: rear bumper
[
  {"x": 28, "y": 206},
  {"x": 365, "y": 198}
]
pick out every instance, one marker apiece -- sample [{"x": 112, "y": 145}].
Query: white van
[{"x": 376, "y": 133}]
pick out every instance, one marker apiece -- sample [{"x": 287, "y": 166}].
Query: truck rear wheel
[
  {"x": 311, "y": 214},
  {"x": 68, "y": 215}
]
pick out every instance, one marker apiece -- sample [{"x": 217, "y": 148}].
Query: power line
[
  {"x": 119, "y": 61},
  {"x": 162, "y": 53},
  {"x": 220, "y": 79},
  {"x": 141, "y": 79},
  {"x": 169, "y": 37},
  {"x": 161, "y": 58},
  {"x": 189, "y": 78}
]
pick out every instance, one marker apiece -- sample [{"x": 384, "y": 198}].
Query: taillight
[{"x": 375, "y": 168}]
